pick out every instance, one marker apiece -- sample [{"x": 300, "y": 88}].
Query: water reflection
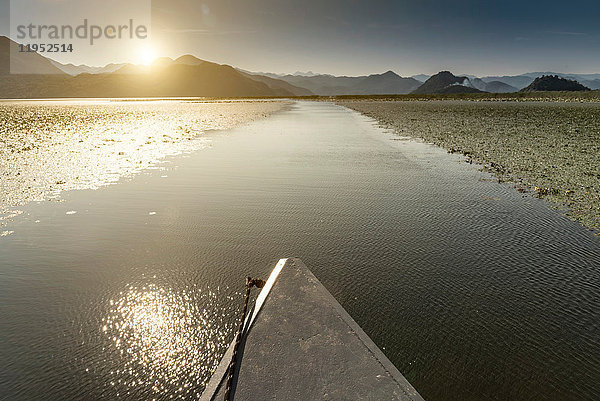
[
  {"x": 47, "y": 147},
  {"x": 170, "y": 340}
]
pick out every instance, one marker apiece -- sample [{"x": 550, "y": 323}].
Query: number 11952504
[{"x": 46, "y": 48}]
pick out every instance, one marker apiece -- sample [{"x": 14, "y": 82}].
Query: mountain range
[
  {"x": 187, "y": 76},
  {"x": 520, "y": 81},
  {"x": 376, "y": 84},
  {"x": 42, "y": 77},
  {"x": 592, "y": 81},
  {"x": 446, "y": 82},
  {"x": 72, "y": 69}
]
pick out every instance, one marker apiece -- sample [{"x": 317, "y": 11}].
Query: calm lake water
[{"x": 474, "y": 290}]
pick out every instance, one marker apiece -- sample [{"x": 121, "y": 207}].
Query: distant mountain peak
[
  {"x": 446, "y": 82},
  {"x": 554, "y": 83},
  {"x": 13, "y": 61},
  {"x": 189, "y": 60}
]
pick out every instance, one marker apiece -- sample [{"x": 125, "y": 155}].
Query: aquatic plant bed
[
  {"x": 555, "y": 96},
  {"x": 549, "y": 148}
]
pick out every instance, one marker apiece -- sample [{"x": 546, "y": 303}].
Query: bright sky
[{"x": 362, "y": 37}]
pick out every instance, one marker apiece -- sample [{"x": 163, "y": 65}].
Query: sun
[{"x": 146, "y": 54}]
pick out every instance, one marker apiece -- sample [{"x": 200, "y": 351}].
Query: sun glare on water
[{"x": 168, "y": 341}]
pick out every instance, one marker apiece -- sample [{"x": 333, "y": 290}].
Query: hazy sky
[{"x": 363, "y": 37}]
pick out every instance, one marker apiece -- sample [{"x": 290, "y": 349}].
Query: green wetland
[{"x": 549, "y": 148}]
